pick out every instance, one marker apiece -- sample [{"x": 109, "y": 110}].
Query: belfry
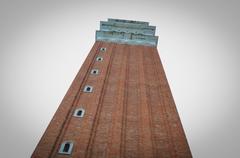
[{"x": 119, "y": 104}]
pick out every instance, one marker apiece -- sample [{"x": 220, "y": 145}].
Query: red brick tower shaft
[{"x": 120, "y": 104}]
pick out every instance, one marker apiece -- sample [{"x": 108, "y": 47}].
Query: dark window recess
[
  {"x": 66, "y": 147},
  {"x": 79, "y": 113}
]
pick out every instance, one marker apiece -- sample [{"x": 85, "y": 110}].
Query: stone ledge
[
  {"x": 128, "y": 38},
  {"x": 127, "y": 31}
]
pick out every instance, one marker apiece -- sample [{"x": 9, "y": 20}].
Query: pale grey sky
[{"x": 43, "y": 45}]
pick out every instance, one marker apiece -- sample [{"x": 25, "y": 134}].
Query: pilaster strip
[
  {"x": 163, "y": 106},
  {"x": 145, "y": 101},
  {"x": 124, "y": 118},
  {"x": 99, "y": 108},
  {"x": 116, "y": 129},
  {"x": 71, "y": 109}
]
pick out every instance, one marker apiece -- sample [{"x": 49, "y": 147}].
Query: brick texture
[{"x": 130, "y": 113}]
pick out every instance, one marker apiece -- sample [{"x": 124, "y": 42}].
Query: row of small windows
[
  {"x": 102, "y": 49},
  {"x": 67, "y": 146},
  {"x": 88, "y": 88}
]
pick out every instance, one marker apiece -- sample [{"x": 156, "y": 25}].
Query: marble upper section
[{"x": 127, "y": 31}]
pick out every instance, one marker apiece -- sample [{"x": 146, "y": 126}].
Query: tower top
[{"x": 127, "y": 31}]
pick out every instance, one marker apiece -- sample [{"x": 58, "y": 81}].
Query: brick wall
[{"x": 130, "y": 113}]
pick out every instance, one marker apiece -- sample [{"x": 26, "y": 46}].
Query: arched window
[
  {"x": 103, "y": 49},
  {"x": 88, "y": 89},
  {"x": 66, "y": 148},
  {"x": 99, "y": 59},
  {"x": 94, "y": 71},
  {"x": 79, "y": 112}
]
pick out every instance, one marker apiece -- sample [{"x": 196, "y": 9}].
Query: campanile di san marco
[{"x": 119, "y": 104}]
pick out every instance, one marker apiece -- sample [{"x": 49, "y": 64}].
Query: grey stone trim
[
  {"x": 128, "y": 21},
  {"x": 128, "y": 38},
  {"x": 128, "y": 28},
  {"x": 127, "y": 31}
]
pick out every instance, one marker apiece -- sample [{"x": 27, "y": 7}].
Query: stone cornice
[{"x": 127, "y": 31}]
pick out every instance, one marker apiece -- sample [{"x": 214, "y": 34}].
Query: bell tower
[{"x": 119, "y": 104}]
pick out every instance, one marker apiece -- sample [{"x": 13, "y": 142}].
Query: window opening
[
  {"x": 66, "y": 148},
  {"x": 94, "y": 71},
  {"x": 88, "y": 89},
  {"x": 79, "y": 112},
  {"x": 99, "y": 59},
  {"x": 103, "y": 49}
]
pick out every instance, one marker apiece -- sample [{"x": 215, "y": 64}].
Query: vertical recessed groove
[
  {"x": 124, "y": 117},
  {"x": 148, "y": 105},
  {"x": 169, "y": 132},
  {"x": 74, "y": 103},
  {"x": 139, "y": 116},
  {"x": 99, "y": 108},
  {"x": 119, "y": 102},
  {"x": 151, "y": 124}
]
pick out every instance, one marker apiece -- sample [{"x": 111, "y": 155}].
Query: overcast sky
[{"x": 43, "y": 45}]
